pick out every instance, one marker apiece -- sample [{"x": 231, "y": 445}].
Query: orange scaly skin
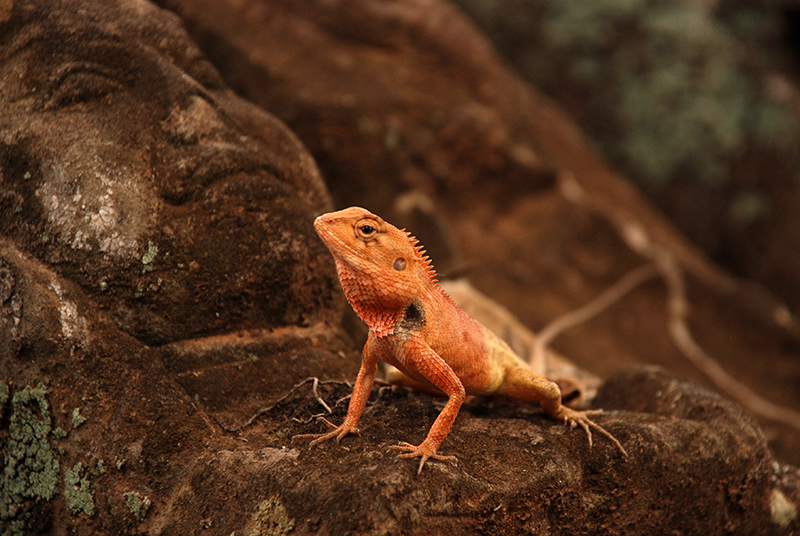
[{"x": 416, "y": 327}]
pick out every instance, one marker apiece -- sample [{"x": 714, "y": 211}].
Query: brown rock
[
  {"x": 138, "y": 425},
  {"x": 407, "y": 100},
  {"x": 132, "y": 170},
  {"x": 697, "y": 464},
  {"x": 156, "y": 241}
]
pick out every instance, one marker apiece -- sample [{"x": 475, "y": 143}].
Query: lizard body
[{"x": 416, "y": 327}]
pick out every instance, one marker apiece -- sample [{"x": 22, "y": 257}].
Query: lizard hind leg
[{"x": 522, "y": 384}]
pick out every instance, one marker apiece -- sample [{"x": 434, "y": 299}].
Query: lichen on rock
[
  {"x": 30, "y": 467},
  {"x": 137, "y": 504},
  {"x": 270, "y": 518},
  {"x": 78, "y": 491},
  {"x": 77, "y": 418}
]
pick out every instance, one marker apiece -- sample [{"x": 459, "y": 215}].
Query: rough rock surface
[
  {"x": 158, "y": 263},
  {"x": 146, "y": 393},
  {"x": 151, "y": 460},
  {"x": 129, "y": 167},
  {"x": 697, "y": 465},
  {"x": 409, "y": 112}
]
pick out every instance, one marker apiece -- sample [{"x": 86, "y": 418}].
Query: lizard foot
[
  {"x": 337, "y": 432},
  {"x": 574, "y": 417},
  {"x": 421, "y": 451}
]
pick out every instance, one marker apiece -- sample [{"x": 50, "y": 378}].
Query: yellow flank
[{"x": 501, "y": 358}]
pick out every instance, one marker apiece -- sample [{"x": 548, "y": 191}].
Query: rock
[
  {"x": 74, "y": 356},
  {"x": 411, "y": 102},
  {"x": 182, "y": 209},
  {"x": 156, "y": 241},
  {"x": 696, "y": 463},
  {"x": 126, "y": 414}
]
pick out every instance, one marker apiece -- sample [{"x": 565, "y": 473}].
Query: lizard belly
[{"x": 477, "y": 356}]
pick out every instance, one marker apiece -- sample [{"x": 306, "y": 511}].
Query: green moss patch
[
  {"x": 149, "y": 257},
  {"x": 78, "y": 491},
  {"x": 77, "y": 418},
  {"x": 137, "y": 504},
  {"x": 30, "y": 467}
]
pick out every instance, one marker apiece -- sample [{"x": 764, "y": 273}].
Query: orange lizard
[{"x": 416, "y": 327}]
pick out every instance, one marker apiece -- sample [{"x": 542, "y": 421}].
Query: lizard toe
[
  {"x": 419, "y": 451},
  {"x": 337, "y": 432},
  {"x": 575, "y": 417}
]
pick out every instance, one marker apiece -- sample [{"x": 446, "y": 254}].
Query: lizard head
[{"x": 380, "y": 266}]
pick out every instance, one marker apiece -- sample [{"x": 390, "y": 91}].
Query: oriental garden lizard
[{"x": 416, "y": 327}]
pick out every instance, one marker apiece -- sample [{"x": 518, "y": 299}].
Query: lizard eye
[
  {"x": 399, "y": 265},
  {"x": 366, "y": 229}
]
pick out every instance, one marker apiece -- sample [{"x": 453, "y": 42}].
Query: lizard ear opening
[{"x": 399, "y": 264}]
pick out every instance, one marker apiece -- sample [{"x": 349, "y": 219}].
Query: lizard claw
[
  {"x": 421, "y": 451},
  {"x": 574, "y": 417},
  {"x": 337, "y": 432}
]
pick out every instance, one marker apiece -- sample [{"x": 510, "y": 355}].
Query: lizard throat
[{"x": 369, "y": 307}]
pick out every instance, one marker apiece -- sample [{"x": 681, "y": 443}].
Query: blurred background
[{"x": 695, "y": 102}]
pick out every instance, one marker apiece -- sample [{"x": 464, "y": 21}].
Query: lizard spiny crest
[{"x": 425, "y": 261}]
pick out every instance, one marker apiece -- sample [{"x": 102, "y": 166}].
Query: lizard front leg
[
  {"x": 358, "y": 400},
  {"x": 415, "y": 355},
  {"x": 522, "y": 384}
]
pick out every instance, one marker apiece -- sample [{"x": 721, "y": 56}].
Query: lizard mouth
[
  {"x": 336, "y": 245},
  {"x": 342, "y": 250}
]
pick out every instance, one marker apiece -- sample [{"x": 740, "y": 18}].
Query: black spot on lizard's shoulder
[{"x": 414, "y": 317}]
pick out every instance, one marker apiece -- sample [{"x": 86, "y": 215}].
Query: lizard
[{"x": 416, "y": 327}]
